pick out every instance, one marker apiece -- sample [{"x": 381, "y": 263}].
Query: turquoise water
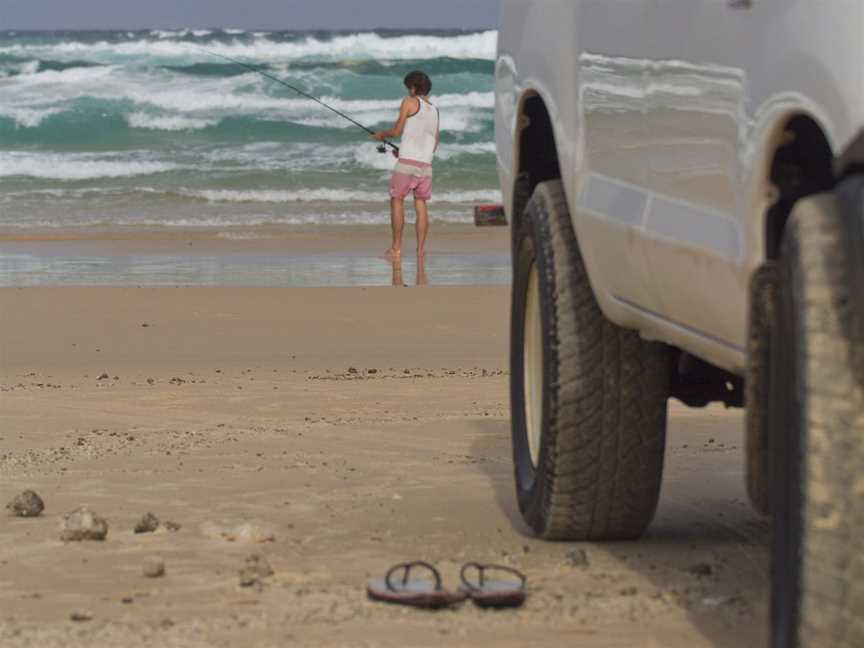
[{"x": 141, "y": 128}]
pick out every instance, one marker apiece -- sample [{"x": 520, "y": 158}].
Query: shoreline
[
  {"x": 447, "y": 231},
  {"x": 276, "y": 255}
]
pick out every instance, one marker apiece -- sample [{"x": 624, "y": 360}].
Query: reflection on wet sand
[
  {"x": 266, "y": 262},
  {"x": 421, "y": 277}
]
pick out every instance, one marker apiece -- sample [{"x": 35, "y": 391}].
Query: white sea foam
[
  {"x": 352, "y": 217},
  {"x": 449, "y": 151},
  {"x": 19, "y": 69},
  {"x": 168, "y": 123},
  {"x": 165, "y": 33},
  {"x": 354, "y": 46},
  {"x": 331, "y": 195},
  {"x": 206, "y": 97},
  {"x": 55, "y": 166},
  {"x": 28, "y": 117}
]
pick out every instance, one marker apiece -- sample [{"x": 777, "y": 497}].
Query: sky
[{"x": 247, "y": 14}]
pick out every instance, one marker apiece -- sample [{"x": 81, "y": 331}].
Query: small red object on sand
[{"x": 488, "y": 215}]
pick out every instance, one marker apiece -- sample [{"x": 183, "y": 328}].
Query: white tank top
[{"x": 420, "y": 134}]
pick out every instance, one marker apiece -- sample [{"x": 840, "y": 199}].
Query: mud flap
[
  {"x": 762, "y": 333},
  {"x": 850, "y": 203}
]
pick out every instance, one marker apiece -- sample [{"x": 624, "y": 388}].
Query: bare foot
[{"x": 393, "y": 253}]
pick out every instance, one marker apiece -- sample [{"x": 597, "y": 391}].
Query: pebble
[
  {"x": 147, "y": 524},
  {"x": 81, "y": 615},
  {"x": 577, "y": 558},
  {"x": 103, "y": 376},
  {"x": 83, "y": 524},
  {"x": 173, "y": 526},
  {"x": 26, "y": 504},
  {"x": 255, "y": 569},
  {"x": 154, "y": 569}
]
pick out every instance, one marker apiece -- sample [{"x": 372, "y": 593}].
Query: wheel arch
[
  {"x": 799, "y": 161},
  {"x": 536, "y": 156}
]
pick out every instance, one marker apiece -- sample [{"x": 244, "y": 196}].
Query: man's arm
[{"x": 399, "y": 126}]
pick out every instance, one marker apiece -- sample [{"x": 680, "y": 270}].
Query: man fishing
[{"x": 419, "y": 127}]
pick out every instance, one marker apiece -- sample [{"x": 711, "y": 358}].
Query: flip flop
[
  {"x": 416, "y": 593},
  {"x": 493, "y": 593}
]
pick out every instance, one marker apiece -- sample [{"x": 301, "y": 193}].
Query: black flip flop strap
[
  {"x": 407, "y": 567},
  {"x": 481, "y": 571}
]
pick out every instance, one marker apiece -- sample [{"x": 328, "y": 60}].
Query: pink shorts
[{"x": 411, "y": 176}]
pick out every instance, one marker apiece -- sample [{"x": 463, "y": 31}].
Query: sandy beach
[{"x": 359, "y": 427}]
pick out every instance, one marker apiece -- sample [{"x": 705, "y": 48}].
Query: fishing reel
[{"x": 382, "y": 148}]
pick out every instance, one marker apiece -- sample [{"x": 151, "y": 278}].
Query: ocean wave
[
  {"x": 164, "y": 34},
  {"x": 52, "y": 166},
  {"x": 168, "y": 123},
  {"x": 331, "y": 195},
  {"x": 450, "y": 151},
  {"x": 28, "y": 117},
  {"x": 352, "y": 217},
  {"x": 188, "y": 100},
  {"x": 367, "y": 45},
  {"x": 210, "y": 97}
]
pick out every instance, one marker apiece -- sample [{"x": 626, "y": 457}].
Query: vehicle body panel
[{"x": 666, "y": 115}]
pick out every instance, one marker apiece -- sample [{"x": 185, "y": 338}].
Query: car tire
[
  {"x": 817, "y": 424},
  {"x": 588, "y": 398}
]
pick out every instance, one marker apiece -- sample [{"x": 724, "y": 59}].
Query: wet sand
[
  {"x": 359, "y": 426},
  {"x": 278, "y": 256}
]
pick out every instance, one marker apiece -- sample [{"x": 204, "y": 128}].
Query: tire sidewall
[
  {"x": 786, "y": 413},
  {"x": 531, "y": 246}
]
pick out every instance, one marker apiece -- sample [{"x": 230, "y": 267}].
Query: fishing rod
[{"x": 381, "y": 147}]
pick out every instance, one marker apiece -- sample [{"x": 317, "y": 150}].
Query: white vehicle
[{"x": 685, "y": 184}]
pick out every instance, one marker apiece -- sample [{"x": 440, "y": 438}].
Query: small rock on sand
[
  {"x": 26, "y": 504},
  {"x": 83, "y": 524},
  {"x": 81, "y": 615},
  {"x": 255, "y": 569},
  {"x": 173, "y": 526},
  {"x": 147, "y": 524},
  {"x": 577, "y": 558},
  {"x": 154, "y": 569}
]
